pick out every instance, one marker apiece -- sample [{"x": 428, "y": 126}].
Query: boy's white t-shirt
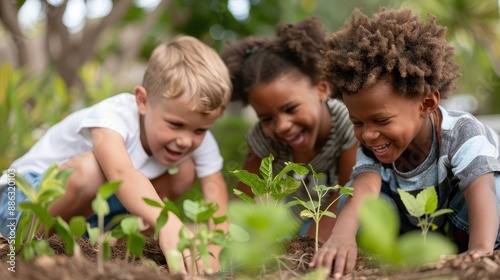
[{"x": 71, "y": 137}]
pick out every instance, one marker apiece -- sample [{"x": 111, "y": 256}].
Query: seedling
[
  {"x": 129, "y": 228},
  {"x": 200, "y": 212},
  {"x": 254, "y": 233},
  {"x": 36, "y": 218},
  {"x": 97, "y": 235},
  {"x": 312, "y": 207},
  {"x": 269, "y": 188},
  {"x": 280, "y": 186},
  {"x": 423, "y": 207},
  {"x": 379, "y": 235}
]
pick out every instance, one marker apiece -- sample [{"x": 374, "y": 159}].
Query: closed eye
[
  {"x": 382, "y": 121},
  {"x": 290, "y": 110},
  {"x": 175, "y": 125},
  {"x": 200, "y": 131}
]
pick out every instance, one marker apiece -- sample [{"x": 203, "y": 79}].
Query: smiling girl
[{"x": 298, "y": 121}]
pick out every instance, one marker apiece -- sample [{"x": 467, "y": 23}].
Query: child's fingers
[
  {"x": 323, "y": 258},
  {"x": 340, "y": 264}
]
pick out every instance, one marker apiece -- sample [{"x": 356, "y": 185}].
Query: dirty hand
[{"x": 339, "y": 252}]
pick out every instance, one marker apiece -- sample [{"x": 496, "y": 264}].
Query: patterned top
[{"x": 340, "y": 139}]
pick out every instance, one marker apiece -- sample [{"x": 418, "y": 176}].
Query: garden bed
[{"x": 298, "y": 254}]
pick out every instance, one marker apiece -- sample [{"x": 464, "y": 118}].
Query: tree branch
[{"x": 8, "y": 16}]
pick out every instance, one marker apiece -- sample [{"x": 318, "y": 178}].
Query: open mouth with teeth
[
  {"x": 173, "y": 154},
  {"x": 295, "y": 140},
  {"x": 381, "y": 149}
]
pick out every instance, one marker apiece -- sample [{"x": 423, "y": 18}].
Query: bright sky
[{"x": 76, "y": 11}]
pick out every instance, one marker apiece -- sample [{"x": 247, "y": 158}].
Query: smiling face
[
  {"x": 170, "y": 130},
  {"x": 292, "y": 111},
  {"x": 393, "y": 127}
]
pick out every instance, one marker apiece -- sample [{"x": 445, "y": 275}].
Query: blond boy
[{"x": 156, "y": 142}]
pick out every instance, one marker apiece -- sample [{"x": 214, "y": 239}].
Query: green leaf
[
  {"x": 284, "y": 187},
  {"x": 257, "y": 185},
  {"x": 219, "y": 220},
  {"x": 153, "y": 203},
  {"x": 100, "y": 205},
  {"x": 93, "y": 234},
  {"x": 441, "y": 212},
  {"x": 64, "y": 231},
  {"x": 40, "y": 212},
  {"x": 428, "y": 197},
  {"x": 106, "y": 247},
  {"x": 108, "y": 189},
  {"x": 316, "y": 274},
  {"x": 243, "y": 196},
  {"x": 415, "y": 251},
  {"x": 305, "y": 214},
  {"x": 345, "y": 190},
  {"x": 174, "y": 261},
  {"x": 161, "y": 221},
  {"x": 135, "y": 244},
  {"x": 28, "y": 189},
  {"x": 415, "y": 207},
  {"x": 42, "y": 247},
  {"x": 299, "y": 169},
  {"x": 379, "y": 228},
  {"x": 266, "y": 168},
  {"x": 130, "y": 225},
  {"x": 238, "y": 233},
  {"x": 328, "y": 214}
]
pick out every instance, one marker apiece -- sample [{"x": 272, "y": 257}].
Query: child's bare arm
[
  {"x": 480, "y": 196},
  {"x": 112, "y": 155},
  {"x": 340, "y": 250}
]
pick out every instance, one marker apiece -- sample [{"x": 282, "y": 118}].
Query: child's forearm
[{"x": 483, "y": 215}]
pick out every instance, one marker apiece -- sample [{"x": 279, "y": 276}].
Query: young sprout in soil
[
  {"x": 269, "y": 189},
  {"x": 129, "y": 228},
  {"x": 200, "y": 213},
  {"x": 36, "y": 219},
  {"x": 380, "y": 237},
  {"x": 97, "y": 235},
  {"x": 423, "y": 207},
  {"x": 313, "y": 209}
]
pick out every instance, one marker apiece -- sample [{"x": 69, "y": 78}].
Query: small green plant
[
  {"x": 97, "y": 234},
  {"x": 36, "y": 219},
  {"x": 423, "y": 207},
  {"x": 379, "y": 236},
  {"x": 280, "y": 186},
  {"x": 255, "y": 233},
  {"x": 269, "y": 189},
  {"x": 200, "y": 212},
  {"x": 129, "y": 228},
  {"x": 313, "y": 207}
]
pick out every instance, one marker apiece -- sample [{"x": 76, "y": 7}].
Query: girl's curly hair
[
  {"x": 258, "y": 60},
  {"x": 396, "y": 42}
]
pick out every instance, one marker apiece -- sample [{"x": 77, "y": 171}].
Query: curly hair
[
  {"x": 258, "y": 60},
  {"x": 397, "y": 43}
]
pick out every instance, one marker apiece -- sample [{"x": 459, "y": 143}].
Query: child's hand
[
  {"x": 342, "y": 251},
  {"x": 169, "y": 242}
]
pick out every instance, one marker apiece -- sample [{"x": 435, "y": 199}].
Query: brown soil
[{"x": 299, "y": 252}]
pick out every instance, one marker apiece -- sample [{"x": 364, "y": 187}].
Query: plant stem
[{"x": 100, "y": 258}]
